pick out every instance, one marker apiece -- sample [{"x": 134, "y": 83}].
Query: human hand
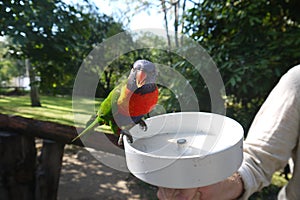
[
  {"x": 230, "y": 188},
  {"x": 211, "y": 192},
  {"x": 178, "y": 194}
]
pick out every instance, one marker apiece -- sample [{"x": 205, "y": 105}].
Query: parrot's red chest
[{"x": 137, "y": 104}]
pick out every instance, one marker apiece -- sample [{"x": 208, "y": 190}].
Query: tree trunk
[
  {"x": 176, "y": 21},
  {"x": 164, "y": 8},
  {"x": 182, "y": 21},
  {"x": 34, "y": 90}
]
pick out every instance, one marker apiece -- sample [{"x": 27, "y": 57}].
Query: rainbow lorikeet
[{"x": 127, "y": 103}]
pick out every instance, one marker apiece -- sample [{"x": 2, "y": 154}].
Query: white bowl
[{"x": 185, "y": 150}]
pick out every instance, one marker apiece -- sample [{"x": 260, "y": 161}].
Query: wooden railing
[{"x": 26, "y": 176}]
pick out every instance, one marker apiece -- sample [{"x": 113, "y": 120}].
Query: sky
[{"x": 151, "y": 18}]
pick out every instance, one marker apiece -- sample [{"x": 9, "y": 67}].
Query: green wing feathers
[{"x": 105, "y": 112}]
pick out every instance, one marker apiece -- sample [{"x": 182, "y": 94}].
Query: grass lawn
[
  {"x": 59, "y": 110},
  {"x": 54, "y": 109}
]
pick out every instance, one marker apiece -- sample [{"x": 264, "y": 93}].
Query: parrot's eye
[{"x": 135, "y": 69}]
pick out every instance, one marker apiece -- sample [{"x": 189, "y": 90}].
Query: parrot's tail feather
[{"x": 91, "y": 126}]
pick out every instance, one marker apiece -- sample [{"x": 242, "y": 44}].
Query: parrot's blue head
[{"x": 143, "y": 74}]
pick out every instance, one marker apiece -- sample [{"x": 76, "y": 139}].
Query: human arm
[
  {"x": 273, "y": 134},
  {"x": 272, "y": 138}
]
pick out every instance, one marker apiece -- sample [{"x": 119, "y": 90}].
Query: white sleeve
[{"x": 273, "y": 134}]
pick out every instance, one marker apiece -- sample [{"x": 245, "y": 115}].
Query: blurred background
[{"x": 43, "y": 43}]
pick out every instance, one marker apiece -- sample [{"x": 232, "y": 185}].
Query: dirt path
[{"x": 85, "y": 178}]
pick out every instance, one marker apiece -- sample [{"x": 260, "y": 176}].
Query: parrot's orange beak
[{"x": 140, "y": 78}]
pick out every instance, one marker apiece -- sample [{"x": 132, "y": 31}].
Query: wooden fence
[{"x": 26, "y": 174}]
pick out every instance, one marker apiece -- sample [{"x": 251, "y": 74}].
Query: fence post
[
  {"x": 48, "y": 170},
  {"x": 17, "y": 166}
]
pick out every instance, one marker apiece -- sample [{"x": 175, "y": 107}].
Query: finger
[
  {"x": 186, "y": 194},
  {"x": 197, "y": 196},
  {"x": 165, "y": 193}
]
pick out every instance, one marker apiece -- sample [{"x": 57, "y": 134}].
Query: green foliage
[
  {"x": 252, "y": 42},
  {"x": 55, "y": 36},
  {"x": 9, "y": 67},
  {"x": 270, "y": 192}
]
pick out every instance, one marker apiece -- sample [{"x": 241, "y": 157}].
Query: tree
[
  {"x": 54, "y": 36},
  {"x": 253, "y": 44},
  {"x": 34, "y": 94},
  {"x": 173, "y": 14}
]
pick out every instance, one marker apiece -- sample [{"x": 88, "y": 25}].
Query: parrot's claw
[
  {"x": 122, "y": 133},
  {"x": 143, "y": 125}
]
